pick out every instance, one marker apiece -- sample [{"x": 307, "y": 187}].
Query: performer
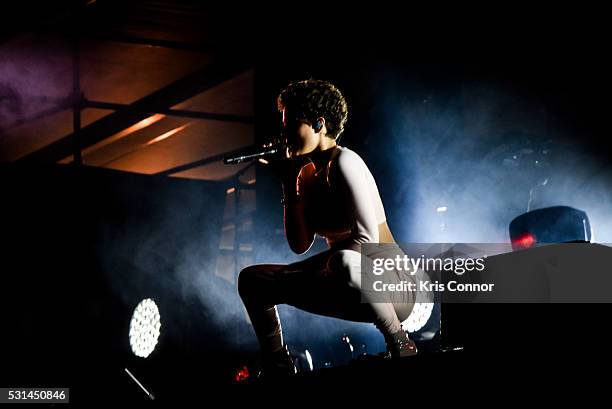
[{"x": 327, "y": 190}]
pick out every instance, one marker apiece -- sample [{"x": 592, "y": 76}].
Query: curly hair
[{"x": 311, "y": 99}]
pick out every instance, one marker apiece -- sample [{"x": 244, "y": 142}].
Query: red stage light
[
  {"x": 242, "y": 374},
  {"x": 524, "y": 241}
]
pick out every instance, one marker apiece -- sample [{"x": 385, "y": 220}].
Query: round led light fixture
[{"x": 144, "y": 328}]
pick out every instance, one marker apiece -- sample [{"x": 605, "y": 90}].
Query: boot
[
  {"x": 278, "y": 364},
  {"x": 399, "y": 345}
]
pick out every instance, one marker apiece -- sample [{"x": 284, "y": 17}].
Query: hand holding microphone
[
  {"x": 287, "y": 167},
  {"x": 293, "y": 171}
]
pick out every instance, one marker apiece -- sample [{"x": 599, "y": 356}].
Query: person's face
[{"x": 300, "y": 135}]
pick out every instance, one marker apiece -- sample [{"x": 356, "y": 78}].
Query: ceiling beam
[
  {"x": 162, "y": 99},
  {"x": 175, "y": 112}
]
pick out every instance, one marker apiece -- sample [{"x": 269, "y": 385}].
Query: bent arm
[{"x": 299, "y": 235}]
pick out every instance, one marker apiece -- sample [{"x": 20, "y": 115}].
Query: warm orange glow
[
  {"x": 262, "y": 160},
  {"x": 127, "y": 131},
  {"x": 230, "y": 190},
  {"x": 251, "y": 181},
  {"x": 167, "y": 135}
]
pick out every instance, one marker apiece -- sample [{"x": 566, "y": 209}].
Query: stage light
[
  {"x": 166, "y": 135},
  {"x": 242, "y": 374},
  {"x": 309, "y": 359},
  {"x": 144, "y": 328},
  {"x": 555, "y": 224},
  {"x": 525, "y": 241},
  {"x": 418, "y": 317}
]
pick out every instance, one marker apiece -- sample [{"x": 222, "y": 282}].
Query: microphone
[{"x": 265, "y": 150}]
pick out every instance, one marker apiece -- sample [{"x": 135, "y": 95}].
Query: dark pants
[{"x": 328, "y": 283}]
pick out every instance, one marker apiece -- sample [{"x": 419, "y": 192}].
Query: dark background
[{"x": 65, "y": 322}]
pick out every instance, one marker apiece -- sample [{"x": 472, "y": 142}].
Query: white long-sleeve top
[{"x": 343, "y": 204}]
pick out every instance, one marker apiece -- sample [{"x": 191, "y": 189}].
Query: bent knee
[
  {"x": 346, "y": 264},
  {"x": 251, "y": 278},
  {"x": 247, "y": 279},
  {"x": 344, "y": 260}
]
